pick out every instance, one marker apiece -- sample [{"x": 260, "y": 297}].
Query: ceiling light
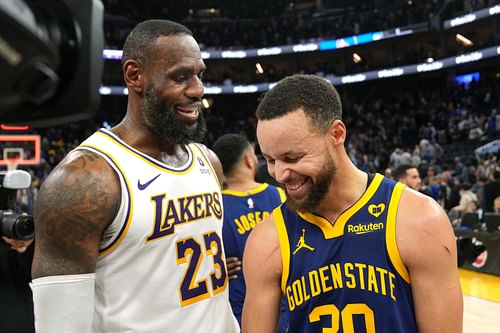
[
  {"x": 463, "y": 40},
  {"x": 259, "y": 68},
  {"x": 205, "y": 103},
  {"x": 356, "y": 58}
]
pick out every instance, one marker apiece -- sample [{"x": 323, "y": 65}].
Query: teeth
[
  {"x": 296, "y": 186},
  {"x": 187, "y": 110}
]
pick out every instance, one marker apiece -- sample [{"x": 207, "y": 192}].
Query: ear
[
  {"x": 337, "y": 132},
  {"x": 248, "y": 159},
  {"x": 133, "y": 75}
]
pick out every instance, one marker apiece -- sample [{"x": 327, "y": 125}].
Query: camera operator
[
  {"x": 16, "y": 300},
  {"x": 16, "y": 255}
]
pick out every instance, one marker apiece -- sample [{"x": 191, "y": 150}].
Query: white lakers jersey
[{"x": 161, "y": 266}]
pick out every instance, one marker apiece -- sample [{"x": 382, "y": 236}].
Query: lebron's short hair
[{"x": 141, "y": 40}]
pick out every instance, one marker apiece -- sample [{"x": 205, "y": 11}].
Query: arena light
[
  {"x": 356, "y": 58},
  {"x": 463, "y": 40},
  {"x": 205, "y": 103},
  {"x": 259, "y": 69}
]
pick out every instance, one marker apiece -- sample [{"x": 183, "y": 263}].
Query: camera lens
[
  {"x": 17, "y": 226},
  {"x": 24, "y": 227}
]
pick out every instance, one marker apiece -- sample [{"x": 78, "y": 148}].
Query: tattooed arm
[{"x": 75, "y": 204}]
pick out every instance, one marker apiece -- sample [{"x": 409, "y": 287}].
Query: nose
[
  {"x": 195, "y": 88},
  {"x": 281, "y": 172}
]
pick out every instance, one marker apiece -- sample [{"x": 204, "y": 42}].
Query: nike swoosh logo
[{"x": 146, "y": 184}]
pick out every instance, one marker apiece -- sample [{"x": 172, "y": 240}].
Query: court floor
[{"x": 481, "y": 302}]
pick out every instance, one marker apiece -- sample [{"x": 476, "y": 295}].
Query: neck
[
  {"x": 346, "y": 189},
  {"x": 241, "y": 183},
  {"x": 135, "y": 134}
]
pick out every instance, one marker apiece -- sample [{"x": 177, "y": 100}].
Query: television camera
[
  {"x": 50, "y": 60},
  {"x": 12, "y": 224}
]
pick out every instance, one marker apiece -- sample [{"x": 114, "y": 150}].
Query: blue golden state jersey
[
  {"x": 242, "y": 211},
  {"x": 347, "y": 277}
]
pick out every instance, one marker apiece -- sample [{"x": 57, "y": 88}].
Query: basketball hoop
[{"x": 19, "y": 150}]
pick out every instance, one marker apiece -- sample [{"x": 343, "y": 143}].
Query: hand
[
  {"x": 233, "y": 267},
  {"x": 18, "y": 245}
]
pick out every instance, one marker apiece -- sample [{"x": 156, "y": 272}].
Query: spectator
[
  {"x": 492, "y": 190},
  {"x": 408, "y": 175},
  {"x": 496, "y": 205},
  {"x": 466, "y": 197}
]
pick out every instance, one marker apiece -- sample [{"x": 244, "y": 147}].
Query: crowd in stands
[
  {"x": 244, "y": 25},
  {"x": 254, "y": 24},
  {"x": 434, "y": 129}
]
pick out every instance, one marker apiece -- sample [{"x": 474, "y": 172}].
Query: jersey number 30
[
  {"x": 346, "y": 316},
  {"x": 191, "y": 252}
]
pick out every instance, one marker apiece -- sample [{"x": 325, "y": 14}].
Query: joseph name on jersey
[{"x": 243, "y": 210}]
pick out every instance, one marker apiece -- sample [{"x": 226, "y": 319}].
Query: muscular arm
[
  {"x": 75, "y": 204},
  {"x": 427, "y": 246},
  {"x": 262, "y": 266}
]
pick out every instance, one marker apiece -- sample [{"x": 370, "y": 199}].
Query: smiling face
[
  {"x": 298, "y": 158},
  {"x": 171, "y": 105}
]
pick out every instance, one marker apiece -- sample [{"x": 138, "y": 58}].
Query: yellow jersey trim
[
  {"x": 158, "y": 165},
  {"x": 284, "y": 245},
  {"x": 337, "y": 229},
  {"x": 255, "y": 190},
  {"x": 111, "y": 246},
  {"x": 282, "y": 194},
  {"x": 390, "y": 236}
]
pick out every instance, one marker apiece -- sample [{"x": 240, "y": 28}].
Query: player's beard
[
  {"x": 162, "y": 120},
  {"x": 318, "y": 190}
]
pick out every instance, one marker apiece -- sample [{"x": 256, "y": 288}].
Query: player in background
[{"x": 246, "y": 203}]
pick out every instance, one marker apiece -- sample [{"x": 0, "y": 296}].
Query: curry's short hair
[
  {"x": 230, "y": 149},
  {"x": 141, "y": 40},
  {"x": 316, "y": 96}
]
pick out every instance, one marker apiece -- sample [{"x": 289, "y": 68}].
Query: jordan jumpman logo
[{"x": 302, "y": 243}]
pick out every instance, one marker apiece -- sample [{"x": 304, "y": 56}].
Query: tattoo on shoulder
[{"x": 73, "y": 208}]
